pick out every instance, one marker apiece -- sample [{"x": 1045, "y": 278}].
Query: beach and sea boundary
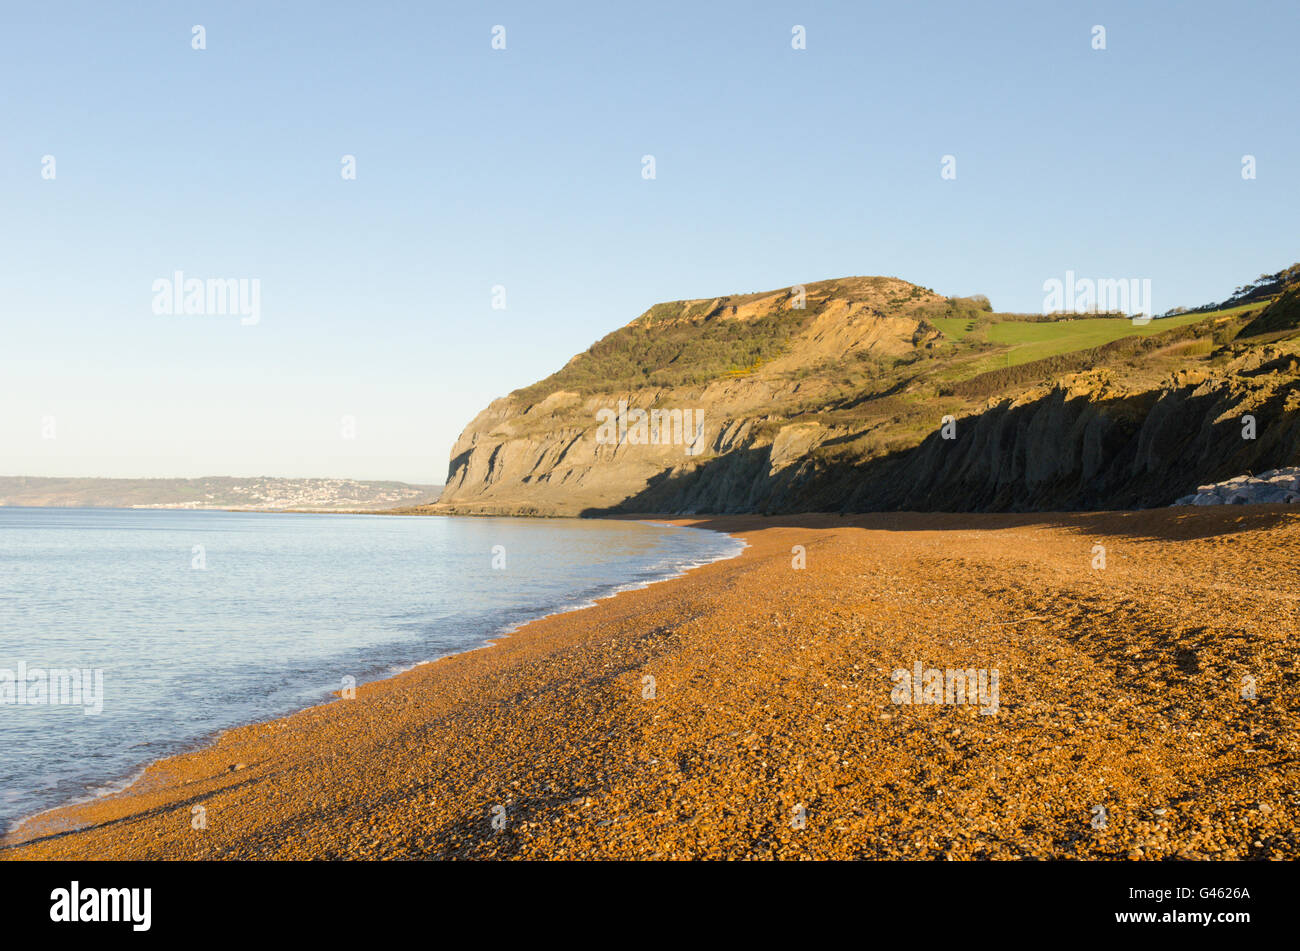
[{"x": 1132, "y": 694}]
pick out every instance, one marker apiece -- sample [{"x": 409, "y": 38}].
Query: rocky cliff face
[{"x": 859, "y": 401}]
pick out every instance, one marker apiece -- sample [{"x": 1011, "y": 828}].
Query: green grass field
[
  {"x": 1032, "y": 341},
  {"x": 954, "y": 328},
  {"x": 1022, "y": 341}
]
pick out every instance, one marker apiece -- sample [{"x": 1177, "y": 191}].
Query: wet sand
[{"x": 1146, "y": 710}]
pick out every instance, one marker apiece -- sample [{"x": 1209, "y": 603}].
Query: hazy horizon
[{"x": 215, "y": 475}]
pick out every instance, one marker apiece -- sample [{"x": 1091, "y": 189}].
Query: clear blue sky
[{"x": 522, "y": 168}]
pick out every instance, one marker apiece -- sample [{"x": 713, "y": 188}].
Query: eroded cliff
[{"x": 868, "y": 394}]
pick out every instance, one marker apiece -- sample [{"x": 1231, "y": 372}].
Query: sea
[{"x": 131, "y": 634}]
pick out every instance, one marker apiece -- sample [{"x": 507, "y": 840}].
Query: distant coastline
[{"x": 231, "y": 493}]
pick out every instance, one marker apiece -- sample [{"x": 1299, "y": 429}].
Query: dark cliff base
[{"x": 1060, "y": 452}]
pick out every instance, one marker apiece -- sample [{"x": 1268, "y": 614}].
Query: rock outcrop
[{"x": 1267, "y": 488}]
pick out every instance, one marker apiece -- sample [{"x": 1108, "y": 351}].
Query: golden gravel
[{"x": 1120, "y": 688}]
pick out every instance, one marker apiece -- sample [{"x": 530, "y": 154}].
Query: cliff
[{"x": 865, "y": 394}]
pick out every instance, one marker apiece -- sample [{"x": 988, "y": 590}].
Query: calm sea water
[{"x": 201, "y": 621}]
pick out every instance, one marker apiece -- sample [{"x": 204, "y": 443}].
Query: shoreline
[
  {"x": 773, "y": 694},
  {"x": 111, "y": 787}
]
